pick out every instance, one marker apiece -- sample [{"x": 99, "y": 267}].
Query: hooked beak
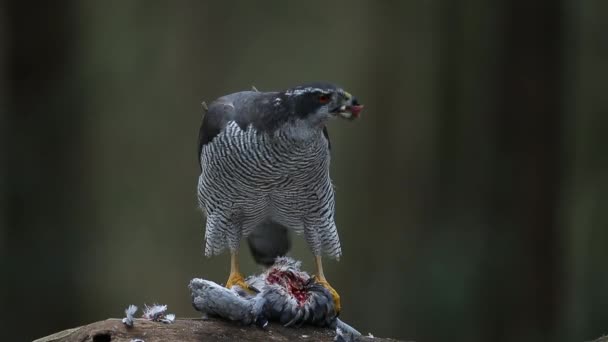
[{"x": 350, "y": 110}]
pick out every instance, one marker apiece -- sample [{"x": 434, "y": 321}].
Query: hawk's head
[{"x": 321, "y": 101}]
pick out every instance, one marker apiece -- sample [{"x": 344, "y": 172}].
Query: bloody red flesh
[
  {"x": 355, "y": 110},
  {"x": 293, "y": 283}
]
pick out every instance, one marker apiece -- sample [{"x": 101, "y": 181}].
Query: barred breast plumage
[
  {"x": 250, "y": 175},
  {"x": 265, "y": 168}
]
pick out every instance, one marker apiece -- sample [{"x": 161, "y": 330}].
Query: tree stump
[{"x": 191, "y": 329}]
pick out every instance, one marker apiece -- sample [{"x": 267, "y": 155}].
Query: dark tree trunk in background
[
  {"x": 43, "y": 165},
  {"x": 499, "y": 161},
  {"x": 586, "y": 188},
  {"x": 527, "y": 165},
  {"x": 3, "y": 128}
]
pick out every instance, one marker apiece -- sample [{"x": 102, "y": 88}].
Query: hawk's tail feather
[{"x": 268, "y": 241}]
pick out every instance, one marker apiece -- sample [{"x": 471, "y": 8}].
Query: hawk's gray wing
[{"x": 265, "y": 111}]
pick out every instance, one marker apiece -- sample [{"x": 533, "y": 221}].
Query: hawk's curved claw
[
  {"x": 236, "y": 279},
  {"x": 334, "y": 293}
]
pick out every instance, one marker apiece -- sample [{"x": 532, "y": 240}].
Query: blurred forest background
[{"x": 471, "y": 195}]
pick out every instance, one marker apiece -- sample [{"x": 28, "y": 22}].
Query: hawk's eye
[{"x": 323, "y": 98}]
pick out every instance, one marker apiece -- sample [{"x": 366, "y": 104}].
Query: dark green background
[{"x": 471, "y": 195}]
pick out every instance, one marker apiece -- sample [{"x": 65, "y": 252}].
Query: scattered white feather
[
  {"x": 158, "y": 313},
  {"x": 370, "y": 335},
  {"x": 169, "y": 318},
  {"x": 154, "y": 312},
  {"x": 137, "y": 340},
  {"x": 130, "y": 315},
  {"x": 339, "y": 335}
]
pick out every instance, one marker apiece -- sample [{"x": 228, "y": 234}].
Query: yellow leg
[
  {"x": 236, "y": 278},
  {"x": 320, "y": 278}
]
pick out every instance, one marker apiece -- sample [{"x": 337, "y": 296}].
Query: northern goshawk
[{"x": 264, "y": 160}]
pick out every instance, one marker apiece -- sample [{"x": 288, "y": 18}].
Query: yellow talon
[
  {"x": 334, "y": 294},
  {"x": 236, "y": 278},
  {"x": 320, "y": 279}
]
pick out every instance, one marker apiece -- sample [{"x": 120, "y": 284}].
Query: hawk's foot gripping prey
[
  {"x": 334, "y": 294},
  {"x": 320, "y": 279},
  {"x": 236, "y": 277}
]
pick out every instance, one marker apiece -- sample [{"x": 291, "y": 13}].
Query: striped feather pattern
[{"x": 248, "y": 177}]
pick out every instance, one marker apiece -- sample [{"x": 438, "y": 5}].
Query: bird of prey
[{"x": 264, "y": 160}]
